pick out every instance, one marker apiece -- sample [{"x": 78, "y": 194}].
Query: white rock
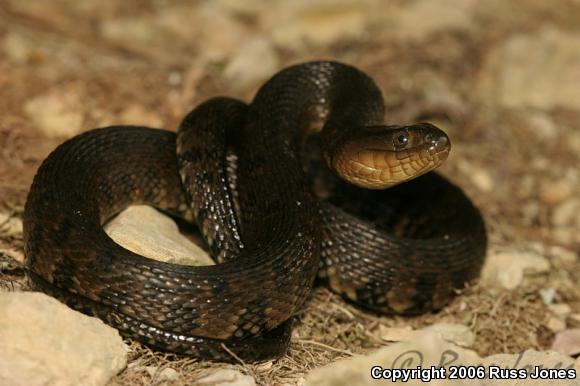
[
  {"x": 535, "y": 70},
  {"x": 226, "y": 377},
  {"x": 567, "y": 342},
  {"x": 429, "y": 349},
  {"x": 252, "y": 63},
  {"x": 144, "y": 230},
  {"x": 507, "y": 269},
  {"x": 548, "y": 295},
  {"x": 43, "y": 342},
  {"x": 57, "y": 114}
]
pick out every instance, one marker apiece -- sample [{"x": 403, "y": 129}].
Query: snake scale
[{"x": 271, "y": 216}]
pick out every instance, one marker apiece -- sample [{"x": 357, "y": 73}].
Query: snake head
[{"x": 378, "y": 157}]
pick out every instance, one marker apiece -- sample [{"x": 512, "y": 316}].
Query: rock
[
  {"x": 43, "y": 342},
  {"x": 455, "y": 333},
  {"x": 252, "y": 63},
  {"x": 164, "y": 375},
  {"x": 574, "y": 320},
  {"x": 561, "y": 310},
  {"x": 136, "y": 114},
  {"x": 427, "y": 349},
  {"x": 148, "y": 232},
  {"x": 421, "y": 19},
  {"x": 542, "y": 125},
  {"x": 567, "y": 342},
  {"x": 57, "y": 114},
  {"x": 482, "y": 179},
  {"x": 548, "y": 295},
  {"x": 535, "y": 70},
  {"x": 529, "y": 359},
  {"x": 319, "y": 22},
  {"x": 396, "y": 334},
  {"x": 563, "y": 254},
  {"x": 554, "y": 192},
  {"x": 567, "y": 213},
  {"x": 556, "y": 324},
  {"x": 507, "y": 269},
  {"x": 226, "y": 377}
]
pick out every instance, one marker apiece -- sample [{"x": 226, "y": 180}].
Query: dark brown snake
[{"x": 402, "y": 250}]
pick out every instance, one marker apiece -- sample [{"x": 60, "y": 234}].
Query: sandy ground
[{"x": 500, "y": 77}]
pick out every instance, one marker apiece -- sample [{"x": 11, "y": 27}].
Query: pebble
[
  {"x": 43, "y": 342},
  {"x": 56, "y": 114},
  {"x": 567, "y": 213},
  {"x": 563, "y": 254},
  {"x": 554, "y": 192},
  {"x": 396, "y": 334},
  {"x": 226, "y": 377},
  {"x": 252, "y": 63},
  {"x": 561, "y": 310},
  {"x": 548, "y": 295},
  {"x": 556, "y": 324},
  {"x": 567, "y": 342},
  {"x": 136, "y": 114},
  {"x": 164, "y": 375},
  {"x": 146, "y": 231},
  {"x": 535, "y": 70},
  {"x": 508, "y": 268}
]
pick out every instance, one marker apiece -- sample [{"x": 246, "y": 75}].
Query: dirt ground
[{"x": 500, "y": 77}]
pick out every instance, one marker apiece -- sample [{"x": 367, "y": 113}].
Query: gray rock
[
  {"x": 226, "y": 377},
  {"x": 507, "y": 268},
  {"x": 43, "y": 342}
]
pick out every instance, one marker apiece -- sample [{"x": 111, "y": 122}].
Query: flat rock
[
  {"x": 43, "y": 342},
  {"x": 535, "y": 70},
  {"x": 428, "y": 349},
  {"x": 146, "y": 231},
  {"x": 507, "y": 268},
  {"x": 567, "y": 342}
]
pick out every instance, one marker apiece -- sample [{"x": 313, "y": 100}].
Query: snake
[{"x": 304, "y": 184}]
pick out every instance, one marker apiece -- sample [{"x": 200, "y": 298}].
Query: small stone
[
  {"x": 574, "y": 320},
  {"x": 164, "y": 375},
  {"x": 455, "y": 333},
  {"x": 9, "y": 225},
  {"x": 567, "y": 213},
  {"x": 548, "y": 295},
  {"x": 567, "y": 342},
  {"x": 252, "y": 63},
  {"x": 556, "y": 324},
  {"x": 43, "y": 342},
  {"x": 144, "y": 230},
  {"x": 507, "y": 269},
  {"x": 482, "y": 180},
  {"x": 554, "y": 192},
  {"x": 56, "y": 114},
  {"x": 396, "y": 334},
  {"x": 226, "y": 377},
  {"x": 563, "y": 254},
  {"x": 535, "y": 70},
  {"x": 317, "y": 22},
  {"x": 542, "y": 125},
  {"x": 136, "y": 114},
  {"x": 561, "y": 310}
]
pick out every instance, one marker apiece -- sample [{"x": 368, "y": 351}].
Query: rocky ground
[{"x": 500, "y": 77}]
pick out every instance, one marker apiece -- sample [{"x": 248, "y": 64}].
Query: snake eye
[{"x": 400, "y": 140}]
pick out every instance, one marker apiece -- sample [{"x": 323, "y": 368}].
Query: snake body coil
[{"x": 400, "y": 250}]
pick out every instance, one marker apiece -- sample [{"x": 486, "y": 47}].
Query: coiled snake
[{"x": 400, "y": 250}]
